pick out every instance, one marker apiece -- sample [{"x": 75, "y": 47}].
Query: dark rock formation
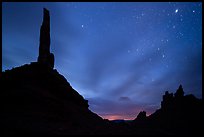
[
  {"x": 167, "y": 100},
  {"x": 38, "y": 100},
  {"x": 178, "y": 115},
  {"x": 141, "y": 116},
  {"x": 45, "y": 57},
  {"x": 179, "y": 93}
]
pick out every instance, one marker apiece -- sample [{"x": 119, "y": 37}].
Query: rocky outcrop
[
  {"x": 179, "y": 115},
  {"x": 38, "y": 100},
  {"x": 45, "y": 57},
  {"x": 141, "y": 116}
]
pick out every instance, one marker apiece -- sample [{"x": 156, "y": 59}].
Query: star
[
  {"x": 193, "y": 11},
  {"x": 176, "y": 10},
  {"x": 181, "y": 34},
  {"x": 82, "y": 25},
  {"x": 163, "y": 56}
]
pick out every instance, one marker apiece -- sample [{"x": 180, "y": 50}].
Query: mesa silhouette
[{"x": 38, "y": 100}]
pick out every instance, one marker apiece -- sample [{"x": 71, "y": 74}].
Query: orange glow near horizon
[
  {"x": 119, "y": 116},
  {"x": 116, "y": 117}
]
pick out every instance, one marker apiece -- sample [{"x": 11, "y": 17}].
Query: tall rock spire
[{"x": 45, "y": 57}]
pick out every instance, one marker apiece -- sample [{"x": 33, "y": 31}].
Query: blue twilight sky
[{"x": 122, "y": 57}]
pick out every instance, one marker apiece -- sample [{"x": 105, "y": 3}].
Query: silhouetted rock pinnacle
[
  {"x": 141, "y": 115},
  {"x": 38, "y": 100},
  {"x": 179, "y": 93},
  {"x": 45, "y": 57},
  {"x": 178, "y": 115}
]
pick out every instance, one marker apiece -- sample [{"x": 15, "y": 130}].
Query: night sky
[{"x": 122, "y": 57}]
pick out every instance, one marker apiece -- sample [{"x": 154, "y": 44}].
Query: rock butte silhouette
[{"x": 38, "y": 100}]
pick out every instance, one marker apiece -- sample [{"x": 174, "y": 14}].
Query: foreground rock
[{"x": 38, "y": 100}]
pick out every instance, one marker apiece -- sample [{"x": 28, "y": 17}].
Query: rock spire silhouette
[{"x": 45, "y": 57}]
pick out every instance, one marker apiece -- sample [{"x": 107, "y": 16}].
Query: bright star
[{"x": 176, "y": 10}]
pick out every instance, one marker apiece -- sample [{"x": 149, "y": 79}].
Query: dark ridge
[
  {"x": 178, "y": 115},
  {"x": 39, "y": 100}
]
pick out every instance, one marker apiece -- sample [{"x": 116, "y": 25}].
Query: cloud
[{"x": 124, "y": 99}]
